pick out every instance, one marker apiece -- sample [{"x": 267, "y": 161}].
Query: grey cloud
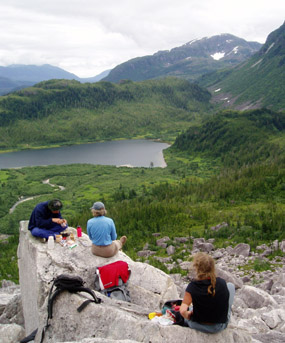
[{"x": 88, "y": 36}]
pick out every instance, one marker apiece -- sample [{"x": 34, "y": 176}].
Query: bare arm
[
  {"x": 59, "y": 220},
  {"x": 186, "y": 302}
]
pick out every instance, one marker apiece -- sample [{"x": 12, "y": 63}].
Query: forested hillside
[
  {"x": 73, "y": 112},
  {"x": 237, "y": 138}
]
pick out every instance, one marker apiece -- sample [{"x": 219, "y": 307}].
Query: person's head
[
  {"x": 204, "y": 266},
  {"x": 55, "y": 205},
  {"x": 98, "y": 209}
]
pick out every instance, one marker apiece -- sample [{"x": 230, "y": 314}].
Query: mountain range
[
  {"x": 239, "y": 74},
  {"x": 18, "y": 76},
  {"x": 189, "y": 61}
]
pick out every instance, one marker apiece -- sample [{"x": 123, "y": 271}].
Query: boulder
[
  {"x": 269, "y": 337},
  {"x": 256, "y": 298},
  {"x": 109, "y": 321},
  {"x": 170, "y": 250},
  {"x": 4, "y": 300},
  {"x": 205, "y": 247},
  {"x": 181, "y": 239},
  {"x": 242, "y": 249},
  {"x": 198, "y": 241},
  {"x": 13, "y": 311},
  {"x": 11, "y": 333},
  {"x": 117, "y": 321},
  {"x": 145, "y": 253},
  {"x": 38, "y": 266},
  {"x": 274, "y": 318},
  {"x": 162, "y": 242},
  {"x": 229, "y": 277},
  {"x": 282, "y": 246},
  {"x": 219, "y": 226}
]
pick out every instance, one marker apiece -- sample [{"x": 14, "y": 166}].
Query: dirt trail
[{"x": 22, "y": 198}]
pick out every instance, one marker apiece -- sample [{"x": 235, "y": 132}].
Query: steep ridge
[
  {"x": 188, "y": 61},
  {"x": 257, "y": 82}
]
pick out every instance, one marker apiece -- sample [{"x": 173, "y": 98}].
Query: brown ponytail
[{"x": 204, "y": 265}]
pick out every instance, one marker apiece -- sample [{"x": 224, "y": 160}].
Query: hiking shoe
[
  {"x": 123, "y": 240},
  {"x": 43, "y": 240}
]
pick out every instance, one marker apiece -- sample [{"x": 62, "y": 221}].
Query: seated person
[
  {"x": 211, "y": 297},
  {"x": 46, "y": 220},
  {"x": 102, "y": 232}
]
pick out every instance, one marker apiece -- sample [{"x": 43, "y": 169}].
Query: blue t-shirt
[{"x": 101, "y": 230}]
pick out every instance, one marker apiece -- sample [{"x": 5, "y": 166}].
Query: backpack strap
[
  {"x": 52, "y": 295},
  {"x": 51, "y": 300},
  {"x": 88, "y": 301},
  {"x": 29, "y": 338}
]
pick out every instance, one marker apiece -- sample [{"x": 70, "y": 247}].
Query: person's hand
[
  {"x": 63, "y": 223},
  {"x": 190, "y": 314},
  {"x": 57, "y": 220}
]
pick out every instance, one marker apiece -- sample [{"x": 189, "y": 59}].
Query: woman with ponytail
[{"x": 210, "y": 298}]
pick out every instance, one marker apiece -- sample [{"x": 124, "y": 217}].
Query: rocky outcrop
[
  {"x": 11, "y": 311},
  {"x": 111, "y": 320},
  {"x": 258, "y": 313}
]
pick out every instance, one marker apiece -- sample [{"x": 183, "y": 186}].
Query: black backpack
[{"x": 72, "y": 284}]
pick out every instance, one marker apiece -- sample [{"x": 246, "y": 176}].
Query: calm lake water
[{"x": 133, "y": 153}]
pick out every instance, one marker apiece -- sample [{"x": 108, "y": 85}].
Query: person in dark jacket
[
  {"x": 208, "y": 299},
  {"x": 46, "y": 220}
]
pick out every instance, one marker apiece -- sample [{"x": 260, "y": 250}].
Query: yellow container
[{"x": 151, "y": 315}]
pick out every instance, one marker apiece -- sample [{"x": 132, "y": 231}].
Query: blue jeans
[
  {"x": 45, "y": 233},
  {"x": 218, "y": 326}
]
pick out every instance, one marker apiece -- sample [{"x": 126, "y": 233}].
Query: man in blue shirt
[{"x": 46, "y": 220}]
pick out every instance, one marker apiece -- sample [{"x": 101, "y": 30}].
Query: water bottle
[
  {"x": 79, "y": 231},
  {"x": 50, "y": 243}
]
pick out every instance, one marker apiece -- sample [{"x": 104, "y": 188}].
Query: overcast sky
[{"x": 86, "y": 37}]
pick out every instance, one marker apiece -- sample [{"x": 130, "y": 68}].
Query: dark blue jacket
[{"x": 42, "y": 217}]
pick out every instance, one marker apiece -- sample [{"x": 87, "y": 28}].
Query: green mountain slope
[
  {"x": 188, "y": 61},
  {"x": 73, "y": 112},
  {"x": 237, "y": 138},
  {"x": 259, "y": 82}
]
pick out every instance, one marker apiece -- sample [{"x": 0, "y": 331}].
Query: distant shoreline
[{"x": 40, "y": 147}]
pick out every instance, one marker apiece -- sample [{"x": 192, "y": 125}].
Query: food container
[{"x": 58, "y": 238}]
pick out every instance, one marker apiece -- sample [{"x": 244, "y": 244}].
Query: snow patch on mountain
[
  {"x": 255, "y": 64},
  {"x": 218, "y": 55},
  {"x": 270, "y": 47},
  {"x": 193, "y": 41},
  {"x": 235, "y": 49}
]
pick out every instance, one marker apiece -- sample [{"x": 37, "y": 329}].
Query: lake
[{"x": 132, "y": 153}]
